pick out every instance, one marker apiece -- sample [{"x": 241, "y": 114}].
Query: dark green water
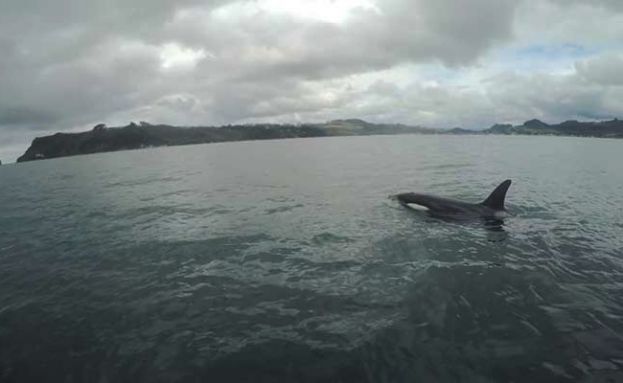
[{"x": 285, "y": 261}]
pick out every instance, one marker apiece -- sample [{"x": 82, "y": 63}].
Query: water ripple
[{"x": 125, "y": 267}]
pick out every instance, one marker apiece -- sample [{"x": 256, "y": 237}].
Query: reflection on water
[{"x": 285, "y": 261}]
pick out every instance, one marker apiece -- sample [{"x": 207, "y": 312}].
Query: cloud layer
[{"x": 69, "y": 64}]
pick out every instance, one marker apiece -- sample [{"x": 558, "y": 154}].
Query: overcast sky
[{"x": 66, "y": 65}]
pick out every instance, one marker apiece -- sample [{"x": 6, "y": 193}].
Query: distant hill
[
  {"x": 136, "y": 136},
  {"x": 133, "y": 136},
  {"x": 606, "y": 129}
]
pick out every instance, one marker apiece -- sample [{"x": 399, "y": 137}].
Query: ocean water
[{"x": 285, "y": 261}]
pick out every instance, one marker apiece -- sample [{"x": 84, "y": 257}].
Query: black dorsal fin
[{"x": 496, "y": 199}]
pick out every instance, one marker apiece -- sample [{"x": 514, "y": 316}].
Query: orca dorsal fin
[{"x": 496, "y": 199}]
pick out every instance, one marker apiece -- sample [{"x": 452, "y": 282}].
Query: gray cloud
[
  {"x": 604, "y": 70},
  {"x": 69, "y": 63},
  {"x": 23, "y": 115},
  {"x": 611, "y": 5}
]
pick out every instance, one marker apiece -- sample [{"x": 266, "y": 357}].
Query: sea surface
[{"x": 286, "y": 261}]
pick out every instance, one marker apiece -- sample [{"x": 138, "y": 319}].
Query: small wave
[
  {"x": 140, "y": 182},
  {"x": 283, "y": 209},
  {"x": 326, "y": 237}
]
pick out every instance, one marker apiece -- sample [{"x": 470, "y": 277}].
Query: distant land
[{"x": 144, "y": 135}]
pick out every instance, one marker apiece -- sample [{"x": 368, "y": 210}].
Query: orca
[{"x": 491, "y": 208}]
